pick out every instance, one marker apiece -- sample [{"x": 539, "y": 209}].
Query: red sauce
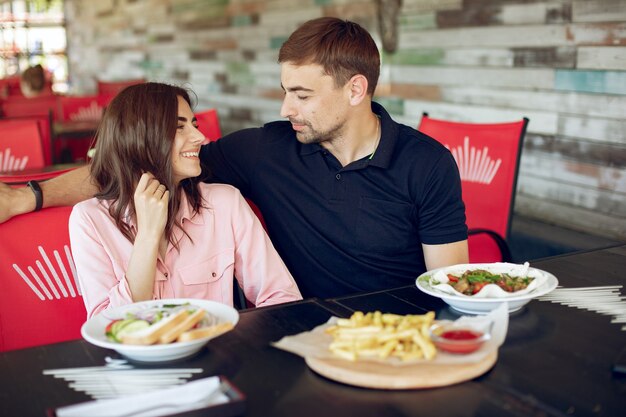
[
  {"x": 459, "y": 341},
  {"x": 460, "y": 335}
]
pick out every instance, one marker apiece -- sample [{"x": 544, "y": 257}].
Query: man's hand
[{"x": 14, "y": 201}]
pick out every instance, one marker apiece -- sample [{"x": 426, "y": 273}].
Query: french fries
[{"x": 378, "y": 335}]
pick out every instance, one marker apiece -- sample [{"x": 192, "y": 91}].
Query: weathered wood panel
[
  {"x": 487, "y": 13},
  {"x": 528, "y": 78},
  {"x": 605, "y": 57},
  {"x": 571, "y": 217},
  {"x": 478, "y": 57},
  {"x": 583, "y": 104},
  {"x": 604, "y": 82},
  {"x": 567, "y": 170},
  {"x": 595, "y": 129},
  {"x": 540, "y": 122},
  {"x": 499, "y": 36},
  {"x": 551, "y": 57},
  {"x": 599, "y": 10},
  {"x": 608, "y": 34},
  {"x": 582, "y": 151},
  {"x": 600, "y": 201},
  {"x": 420, "y": 6}
]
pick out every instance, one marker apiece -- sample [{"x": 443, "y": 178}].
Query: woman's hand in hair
[{"x": 151, "y": 201}]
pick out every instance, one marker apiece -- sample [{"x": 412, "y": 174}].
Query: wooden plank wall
[{"x": 562, "y": 63}]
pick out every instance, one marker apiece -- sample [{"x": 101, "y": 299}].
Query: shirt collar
[
  {"x": 186, "y": 212},
  {"x": 388, "y": 138}
]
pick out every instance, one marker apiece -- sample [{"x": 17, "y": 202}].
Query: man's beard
[{"x": 311, "y": 135}]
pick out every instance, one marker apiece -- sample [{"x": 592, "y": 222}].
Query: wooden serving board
[{"x": 379, "y": 375}]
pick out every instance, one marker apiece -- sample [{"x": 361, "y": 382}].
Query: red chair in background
[
  {"x": 21, "y": 178},
  {"x": 40, "y": 301},
  {"x": 111, "y": 88},
  {"x": 45, "y": 132},
  {"x": 25, "y": 107},
  {"x": 20, "y": 145},
  {"x": 488, "y": 157},
  {"x": 79, "y": 108},
  {"x": 209, "y": 124},
  {"x": 77, "y": 118},
  {"x": 10, "y": 86}
]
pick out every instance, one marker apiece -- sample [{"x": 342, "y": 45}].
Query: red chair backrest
[
  {"x": 21, "y": 178},
  {"x": 80, "y": 108},
  {"x": 40, "y": 301},
  {"x": 20, "y": 145},
  {"x": 209, "y": 124},
  {"x": 10, "y": 86},
  {"x": 111, "y": 88},
  {"x": 488, "y": 159},
  {"x": 45, "y": 132},
  {"x": 36, "y": 106}
]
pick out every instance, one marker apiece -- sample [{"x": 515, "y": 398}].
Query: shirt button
[
  {"x": 338, "y": 176},
  {"x": 166, "y": 275},
  {"x": 213, "y": 274}
]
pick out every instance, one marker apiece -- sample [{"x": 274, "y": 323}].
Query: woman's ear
[{"x": 358, "y": 89}]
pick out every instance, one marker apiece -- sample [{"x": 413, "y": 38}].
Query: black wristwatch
[{"x": 34, "y": 186}]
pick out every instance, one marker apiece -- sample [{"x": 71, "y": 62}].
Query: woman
[{"x": 154, "y": 230}]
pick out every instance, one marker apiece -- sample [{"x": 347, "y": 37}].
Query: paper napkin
[{"x": 181, "y": 398}]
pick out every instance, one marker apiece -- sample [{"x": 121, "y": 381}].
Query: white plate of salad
[
  {"x": 160, "y": 330},
  {"x": 480, "y": 288}
]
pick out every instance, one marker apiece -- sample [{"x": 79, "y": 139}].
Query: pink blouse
[{"x": 228, "y": 241}]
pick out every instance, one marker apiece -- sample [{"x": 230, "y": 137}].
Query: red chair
[
  {"x": 79, "y": 116},
  {"x": 488, "y": 158},
  {"x": 79, "y": 108},
  {"x": 21, "y": 178},
  {"x": 36, "y": 106},
  {"x": 20, "y": 145},
  {"x": 209, "y": 124},
  {"x": 111, "y": 88},
  {"x": 45, "y": 132},
  {"x": 40, "y": 301}
]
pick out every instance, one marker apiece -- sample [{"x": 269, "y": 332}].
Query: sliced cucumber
[
  {"x": 132, "y": 327},
  {"x": 119, "y": 325}
]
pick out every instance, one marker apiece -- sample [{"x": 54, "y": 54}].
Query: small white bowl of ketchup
[{"x": 453, "y": 338}]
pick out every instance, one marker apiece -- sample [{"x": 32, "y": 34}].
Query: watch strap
[{"x": 36, "y": 189}]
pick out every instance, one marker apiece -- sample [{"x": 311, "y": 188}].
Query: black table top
[{"x": 556, "y": 360}]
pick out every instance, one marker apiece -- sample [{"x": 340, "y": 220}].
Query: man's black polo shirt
[{"x": 346, "y": 229}]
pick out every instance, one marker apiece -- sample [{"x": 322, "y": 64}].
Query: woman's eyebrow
[{"x": 184, "y": 119}]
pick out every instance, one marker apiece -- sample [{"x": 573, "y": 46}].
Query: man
[{"x": 352, "y": 200}]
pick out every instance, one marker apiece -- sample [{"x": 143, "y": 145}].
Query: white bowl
[
  {"x": 476, "y": 305},
  {"x": 94, "y": 330}
]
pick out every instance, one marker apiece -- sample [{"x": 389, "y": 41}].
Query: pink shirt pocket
[{"x": 210, "y": 279}]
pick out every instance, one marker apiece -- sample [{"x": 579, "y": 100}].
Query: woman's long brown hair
[{"x": 136, "y": 135}]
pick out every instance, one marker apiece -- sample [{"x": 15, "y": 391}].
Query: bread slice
[
  {"x": 151, "y": 335},
  {"x": 183, "y": 326},
  {"x": 202, "y": 332}
]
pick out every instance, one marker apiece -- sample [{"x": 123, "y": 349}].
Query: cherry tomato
[
  {"x": 108, "y": 328},
  {"x": 452, "y": 278},
  {"x": 478, "y": 286}
]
